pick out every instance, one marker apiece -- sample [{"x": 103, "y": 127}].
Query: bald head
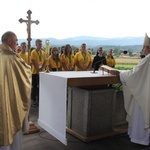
[
  {"x": 6, "y": 36},
  {"x": 9, "y": 38}
]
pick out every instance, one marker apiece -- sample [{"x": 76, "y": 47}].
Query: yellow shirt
[
  {"x": 67, "y": 61},
  {"x": 52, "y": 63},
  {"x": 24, "y": 57},
  {"x": 84, "y": 60},
  {"x": 39, "y": 57},
  {"x": 110, "y": 62}
]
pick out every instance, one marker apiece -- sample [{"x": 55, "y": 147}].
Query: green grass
[
  {"x": 126, "y": 63},
  {"x": 124, "y": 67}
]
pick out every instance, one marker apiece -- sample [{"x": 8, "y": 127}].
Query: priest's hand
[{"x": 114, "y": 72}]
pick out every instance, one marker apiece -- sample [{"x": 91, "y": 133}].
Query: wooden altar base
[
  {"x": 120, "y": 129},
  {"x": 32, "y": 129}
]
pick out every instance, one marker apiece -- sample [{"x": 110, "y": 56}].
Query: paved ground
[{"x": 44, "y": 141}]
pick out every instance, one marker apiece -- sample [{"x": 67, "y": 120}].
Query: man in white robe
[{"x": 136, "y": 89}]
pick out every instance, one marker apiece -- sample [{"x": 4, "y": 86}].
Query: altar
[{"x": 56, "y": 103}]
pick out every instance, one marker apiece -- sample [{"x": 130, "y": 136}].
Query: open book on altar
[{"x": 107, "y": 69}]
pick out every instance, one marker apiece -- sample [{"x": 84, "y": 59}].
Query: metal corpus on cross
[{"x": 29, "y": 22}]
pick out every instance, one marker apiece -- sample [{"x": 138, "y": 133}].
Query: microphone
[{"x": 100, "y": 61}]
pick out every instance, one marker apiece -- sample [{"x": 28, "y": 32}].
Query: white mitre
[{"x": 146, "y": 40}]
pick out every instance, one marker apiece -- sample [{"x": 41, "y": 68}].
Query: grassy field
[{"x": 125, "y": 63}]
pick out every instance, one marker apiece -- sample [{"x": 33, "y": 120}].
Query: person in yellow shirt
[
  {"x": 62, "y": 50},
  {"x": 83, "y": 59},
  {"x": 76, "y": 50},
  {"x": 110, "y": 60},
  {"x": 23, "y": 53},
  {"x": 38, "y": 60},
  {"x": 67, "y": 59},
  {"x": 18, "y": 49},
  {"x": 54, "y": 61}
]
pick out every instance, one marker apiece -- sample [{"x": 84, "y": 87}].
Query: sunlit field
[{"x": 126, "y": 63}]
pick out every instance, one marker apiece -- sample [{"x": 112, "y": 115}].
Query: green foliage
[
  {"x": 118, "y": 86},
  {"x": 117, "y": 51},
  {"x": 123, "y": 64},
  {"x": 105, "y": 53}
]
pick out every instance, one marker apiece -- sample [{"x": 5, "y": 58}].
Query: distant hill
[{"x": 125, "y": 42}]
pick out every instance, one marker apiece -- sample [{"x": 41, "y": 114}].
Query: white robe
[
  {"x": 136, "y": 132},
  {"x": 136, "y": 88},
  {"x": 17, "y": 142}
]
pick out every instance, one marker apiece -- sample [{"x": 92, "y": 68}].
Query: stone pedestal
[
  {"x": 120, "y": 113},
  {"x": 91, "y": 112}
]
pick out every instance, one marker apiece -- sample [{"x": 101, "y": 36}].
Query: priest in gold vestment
[{"x": 15, "y": 91}]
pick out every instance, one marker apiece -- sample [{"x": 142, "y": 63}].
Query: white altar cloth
[{"x": 52, "y": 100}]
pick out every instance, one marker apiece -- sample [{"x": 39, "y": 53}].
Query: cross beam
[{"x": 29, "y": 22}]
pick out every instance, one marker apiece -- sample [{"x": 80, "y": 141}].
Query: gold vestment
[{"x": 15, "y": 91}]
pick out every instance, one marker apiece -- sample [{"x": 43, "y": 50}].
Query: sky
[{"x": 69, "y": 18}]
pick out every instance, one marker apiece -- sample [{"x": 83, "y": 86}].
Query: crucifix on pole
[{"x": 29, "y": 22}]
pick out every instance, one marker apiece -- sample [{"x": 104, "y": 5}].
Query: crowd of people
[
  {"x": 64, "y": 60},
  {"x": 81, "y": 59}
]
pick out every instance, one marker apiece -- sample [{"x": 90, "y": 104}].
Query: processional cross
[{"x": 29, "y": 22}]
